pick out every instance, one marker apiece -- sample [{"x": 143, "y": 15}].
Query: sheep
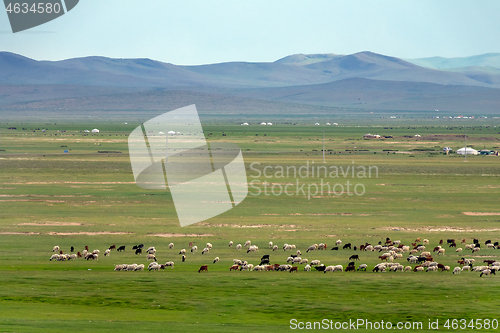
[
  {"x": 397, "y": 242},
  {"x": 321, "y": 246},
  {"x": 54, "y": 256},
  {"x": 209, "y": 246},
  {"x": 194, "y": 248},
  {"x": 414, "y": 251},
  {"x": 457, "y": 270},
  {"x": 426, "y": 242},
  {"x": 238, "y": 247},
  {"x": 56, "y": 248},
  {"x": 84, "y": 253},
  {"x": 72, "y": 256},
  {"x": 275, "y": 247},
  {"x": 95, "y": 252},
  {"x": 139, "y": 267},
  {"x": 419, "y": 269},
  {"x": 183, "y": 258},
  {"x": 169, "y": 264},
  {"x": 406, "y": 248},
  {"x": 237, "y": 262},
  {"x": 441, "y": 251},
  {"x": 487, "y": 272},
  {"x": 299, "y": 253},
  {"x": 338, "y": 242},
  {"x": 270, "y": 245},
  {"x": 315, "y": 262},
  {"x": 458, "y": 250},
  {"x": 205, "y": 250},
  {"x": 289, "y": 259},
  {"x": 303, "y": 261},
  {"x": 312, "y": 247},
  {"x": 362, "y": 267},
  {"x": 153, "y": 266},
  {"x": 489, "y": 245},
  {"x": 469, "y": 246},
  {"x": 329, "y": 269},
  {"x": 287, "y": 247},
  {"x": 466, "y": 268},
  {"x": 408, "y": 269},
  {"x": 369, "y": 248},
  {"x": 151, "y": 256},
  {"x": 248, "y": 267},
  {"x": 230, "y": 243},
  {"x": 247, "y": 243},
  {"x": 171, "y": 246},
  {"x": 476, "y": 249},
  {"x": 151, "y": 248},
  {"x": 216, "y": 260},
  {"x": 253, "y": 248},
  {"x": 118, "y": 267},
  {"x": 420, "y": 248},
  {"x": 107, "y": 252},
  {"x": 183, "y": 251}
]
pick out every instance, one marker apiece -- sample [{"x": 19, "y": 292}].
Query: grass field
[{"x": 88, "y": 197}]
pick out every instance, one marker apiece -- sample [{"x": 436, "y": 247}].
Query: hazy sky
[{"x": 203, "y": 31}]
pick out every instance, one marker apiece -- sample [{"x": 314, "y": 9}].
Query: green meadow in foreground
[{"x": 88, "y": 197}]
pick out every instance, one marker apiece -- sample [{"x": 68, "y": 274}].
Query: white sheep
[
  {"x": 420, "y": 248},
  {"x": 247, "y": 267},
  {"x": 194, "y": 248},
  {"x": 270, "y": 245},
  {"x": 247, "y": 243},
  {"x": 315, "y": 262},
  {"x": 216, "y": 259},
  {"x": 489, "y": 245},
  {"x": 406, "y": 248},
  {"x": 426, "y": 242},
  {"x": 397, "y": 242},
  {"x": 107, "y": 252},
  {"x": 183, "y": 251},
  {"x": 408, "y": 269},
  {"x": 289, "y": 259},
  {"x": 476, "y": 249},
  {"x": 312, "y": 247},
  {"x": 151, "y": 248},
  {"x": 441, "y": 251},
  {"x": 205, "y": 250},
  {"x": 84, "y": 253},
  {"x": 485, "y": 272},
  {"x": 171, "y": 246},
  {"x": 209, "y": 246},
  {"x": 296, "y": 260},
  {"x": 169, "y": 264},
  {"x": 419, "y": 269},
  {"x": 307, "y": 268},
  {"x": 54, "y": 256},
  {"x": 330, "y": 268},
  {"x": 362, "y": 267},
  {"x": 275, "y": 247},
  {"x": 322, "y": 246},
  {"x": 154, "y": 266},
  {"x": 457, "y": 270},
  {"x": 151, "y": 256},
  {"x": 299, "y": 253},
  {"x": 139, "y": 267},
  {"x": 118, "y": 267},
  {"x": 414, "y": 251},
  {"x": 466, "y": 268},
  {"x": 287, "y": 247},
  {"x": 237, "y": 262},
  {"x": 369, "y": 248},
  {"x": 470, "y": 246},
  {"x": 338, "y": 242},
  {"x": 238, "y": 247},
  {"x": 131, "y": 267},
  {"x": 95, "y": 252},
  {"x": 338, "y": 268},
  {"x": 72, "y": 256},
  {"x": 230, "y": 243},
  {"x": 253, "y": 248},
  {"x": 56, "y": 248},
  {"x": 458, "y": 250}
]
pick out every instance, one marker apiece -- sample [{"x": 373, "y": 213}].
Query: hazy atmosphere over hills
[{"x": 298, "y": 82}]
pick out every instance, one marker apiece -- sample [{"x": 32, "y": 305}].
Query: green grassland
[{"x": 88, "y": 197}]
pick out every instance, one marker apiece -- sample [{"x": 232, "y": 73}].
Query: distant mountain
[
  {"x": 491, "y": 60},
  {"x": 361, "y": 80}
]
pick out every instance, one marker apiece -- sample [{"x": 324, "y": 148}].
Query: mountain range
[{"x": 314, "y": 82}]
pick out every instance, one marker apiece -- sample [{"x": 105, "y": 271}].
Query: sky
[{"x": 192, "y": 32}]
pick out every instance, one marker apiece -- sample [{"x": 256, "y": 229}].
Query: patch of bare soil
[
  {"x": 440, "y": 229},
  {"x": 49, "y": 223},
  {"x": 481, "y": 213},
  {"x": 96, "y": 233},
  {"x": 180, "y": 235},
  {"x": 19, "y": 233}
]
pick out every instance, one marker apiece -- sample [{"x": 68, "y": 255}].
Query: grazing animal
[
  {"x": 190, "y": 244},
  {"x": 347, "y": 246},
  {"x": 171, "y": 246},
  {"x": 86, "y": 247},
  {"x": 112, "y": 247},
  {"x": 107, "y": 252},
  {"x": 265, "y": 256},
  {"x": 275, "y": 247},
  {"x": 270, "y": 245},
  {"x": 121, "y": 248},
  {"x": 238, "y": 247},
  {"x": 320, "y": 268},
  {"x": 354, "y": 257},
  {"x": 194, "y": 249},
  {"x": 234, "y": 268},
  {"x": 335, "y": 248},
  {"x": 230, "y": 243},
  {"x": 294, "y": 269},
  {"x": 138, "y": 251},
  {"x": 362, "y": 267},
  {"x": 151, "y": 256},
  {"x": 183, "y": 251},
  {"x": 216, "y": 259},
  {"x": 183, "y": 258},
  {"x": 203, "y": 268},
  {"x": 55, "y": 249},
  {"x": 79, "y": 255},
  {"x": 458, "y": 250},
  {"x": 350, "y": 268},
  {"x": 72, "y": 249},
  {"x": 264, "y": 262}
]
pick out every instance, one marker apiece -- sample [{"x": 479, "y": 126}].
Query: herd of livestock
[{"x": 389, "y": 253}]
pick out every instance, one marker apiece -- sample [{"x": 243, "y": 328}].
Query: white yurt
[{"x": 468, "y": 151}]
